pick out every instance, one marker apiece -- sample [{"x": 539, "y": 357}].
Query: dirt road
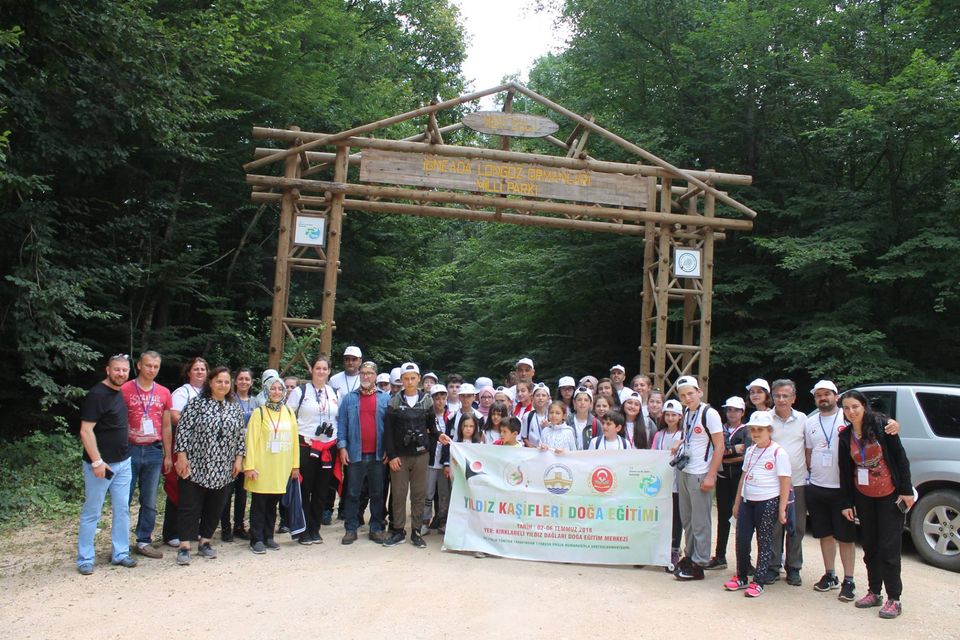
[{"x": 365, "y": 590}]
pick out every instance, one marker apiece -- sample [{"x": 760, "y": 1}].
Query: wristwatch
[{"x": 97, "y": 463}]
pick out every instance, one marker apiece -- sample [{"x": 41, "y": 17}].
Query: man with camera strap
[{"x": 702, "y": 436}]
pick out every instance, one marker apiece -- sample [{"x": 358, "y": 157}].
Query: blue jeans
[
  {"x": 146, "y": 462},
  {"x": 96, "y": 490},
  {"x": 369, "y": 467}
]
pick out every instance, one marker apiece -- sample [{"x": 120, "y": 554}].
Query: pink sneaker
[
  {"x": 754, "y": 590},
  {"x": 735, "y": 584},
  {"x": 890, "y": 609},
  {"x": 870, "y": 599}
]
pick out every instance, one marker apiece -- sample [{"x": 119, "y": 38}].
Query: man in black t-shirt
[{"x": 106, "y": 465}]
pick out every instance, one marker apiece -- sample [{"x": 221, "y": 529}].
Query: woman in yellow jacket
[{"x": 273, "y": 456}]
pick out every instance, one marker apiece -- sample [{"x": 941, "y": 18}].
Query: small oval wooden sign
[{"x": 521, "y": 125}]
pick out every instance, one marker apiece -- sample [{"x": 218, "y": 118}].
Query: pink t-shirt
[{"x": 140, "y": 403}]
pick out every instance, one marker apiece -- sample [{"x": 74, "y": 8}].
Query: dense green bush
[{"x": 41, "y": 477}]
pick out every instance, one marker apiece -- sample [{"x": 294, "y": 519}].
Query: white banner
[{"x": 595, "y": 507}]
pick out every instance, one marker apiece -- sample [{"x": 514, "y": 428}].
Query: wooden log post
[
  {"x": 334, "y": 228},
  {"x": 281, "y": 278},
  {"x": 662, "y": 292},
  {"x": 706, "y": 298},
  {"x": 649, "y": 266}
]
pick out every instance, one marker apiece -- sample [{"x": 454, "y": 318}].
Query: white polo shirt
[{"x": 789, "y": 434}]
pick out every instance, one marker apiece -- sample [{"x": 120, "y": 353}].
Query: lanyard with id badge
[
  {"x": 146, "y": 422},
  {"x": 274, "y": 446},
  {"x": 863, "y": 473},
  {"x": 825, "y": 450}
]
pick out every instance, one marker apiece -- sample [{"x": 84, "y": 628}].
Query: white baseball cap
[
  {"x": 585, "y": 390},
  {"x": 633, "y": 395},
  {"x": 541, "y": 387},
  {"x": 431, "y": 374},
  {"x": 687, "y": 381},
  {"x": 437, "y": 388},
  {"x": 824, "y": 384},
  {"x": 483, "y": 381},
  {"x": 566, "y": 381},
  {"x": 467, "y": 389},
  {"x": 353, "y": 351},
  {"x": 761, "y": 419},
  {"x": 618, "y": 367},
  {"x": 673, "y": 406},
  {"x": 383, "y": 377},
  {"x": 505, "y": 391},
  {"x": 760, "y": 382},
  {"x": 395, "y": 375},
  {"x": 407, "y": 367},
  {"x": 735, "y": 402},
  {"x": 526, "y": 361}
]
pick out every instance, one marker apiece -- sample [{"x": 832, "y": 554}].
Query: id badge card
[
  {"x": 826, "y": 459},
  {"x": 274, "y": 446},
  {"x": 863, "y": 476},
  {"x": 146, "y": 425}
]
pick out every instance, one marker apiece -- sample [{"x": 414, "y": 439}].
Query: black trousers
[
  {"x": 314, "y": 488},
  {"x": 881, "y": 534},
  {"x": 200, "y": 510},
  {"x": 239, "y": 505},
  {"x": 677, "y": 531},
  {"x": 263, "y": 516},
  {"x": 171, "y": 527},
  {"x": 726, "y": 493}
]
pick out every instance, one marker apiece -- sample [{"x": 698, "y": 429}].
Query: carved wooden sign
[
  {"x": 521, "y": 125},
  {"x": 503, "y": 178}
]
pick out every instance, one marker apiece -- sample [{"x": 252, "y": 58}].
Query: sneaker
[
  {"x": 735, "y": 584},
  {"x": 890, "y": 609},
  {"x": 240, "y": 533},
  {"x": 183, "y": 557},
  {"x": 283, "y": 529},
  {"x": 716, "y": 563},
  {"x": 349, "y": 537},
  {"x": 793, "y": 577},
  {"x": 327, "y": 518},
  {"x": 126, "y": 561},
  {"x": 847, "y": 590},
  {"x": 826, "y": 583},
  {"x": 773, "y": 575},
  {"x": 395, "y": 538},
  {"x": 149, "y": 552},
  {"x": 207, "y": 551},
  {"x": 174, "y": 542},
  {"x": 226, "y": 535},
  {"x": 305, "y": 539},
  {"x": 870, "y": 599},
  {"x": 258, "y": 547},
  {"x": 754, "y": 590},
  {"x": 378, "y": 536},
  {"x": 680, "y": 564},
  {"x": 271, "y": 544},
  {"x": 417, "y": 540},
  {"x": 692, "y": 571},
  {"x": 424, "y": 530},
  {"x": 315, "y": 538},
  {"x": 85, "y": 569},
  {"x": 479, "y": 554}
]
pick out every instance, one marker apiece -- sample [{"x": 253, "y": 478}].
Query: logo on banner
[
  {"x": 558, "y": 479},
  {"x": 602, "y": 480},
  {"x": 650, "y": 484},
  {"x": 474, "y": 468},
  {"x": 513, "y": 475}
]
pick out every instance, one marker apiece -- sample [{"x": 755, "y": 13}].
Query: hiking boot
[
  {"x": 183, "y": 557},
  {"x": 349, "y": 537},
  {"x": 377, "y": 536},
  {"x": 847, "y": 590},
  {"x": 149, "y": 551},
  {"x": 258, "y": 547},
  {"x": 692, "y": 571},
  {"x": 395, "y": 538},
  {"x": 826, "y": 583},
  {"x": 207, "y": 551},
  {"x": 417, "y": 540},
  {"x": 754, "y": 590},
  {"x": 793, "y": 577},
  {"x": 735, "y": 584},
  {"x": 891, "y": 609},
  {"x": 870, "y": 599},
  {"x": 716, "y": 563}
]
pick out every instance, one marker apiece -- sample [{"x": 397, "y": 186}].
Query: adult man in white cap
[
  {"x": 408, "y": 427},
  {"x": 618, "y": 374},
  {"x": 703, "y": 449},
  {"x": 349, "y": 379},
  {"x": 524, "y": 373}
]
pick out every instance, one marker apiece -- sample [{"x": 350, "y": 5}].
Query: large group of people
[{"x": 382, "y": 439}]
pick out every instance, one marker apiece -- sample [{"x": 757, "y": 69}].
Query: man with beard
[{"x": 348, "y": 380}]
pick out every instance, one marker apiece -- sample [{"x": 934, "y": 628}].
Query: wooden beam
[
  {"x": 629, "y": 146},
  {"x": 706, "y": 300},
  {"x": 379, "y": 124},
  {"x": 334, "y": 227},
  {"x": 281, "y": 277}
]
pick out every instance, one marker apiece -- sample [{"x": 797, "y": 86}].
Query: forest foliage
[{"x": 124, "y": 125}]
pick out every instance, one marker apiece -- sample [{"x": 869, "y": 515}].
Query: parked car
[{"x": 929, "y": 417}]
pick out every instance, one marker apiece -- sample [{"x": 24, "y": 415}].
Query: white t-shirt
[
  {"x": 531, "y": 425},
  {"x": 601, "y": 443},
  {"x": 318, "y": 406},
  {"x": 820, "y": 436},
  {"x": 762, "y": 470},
  {"x": 559, "y": 436},
  {"x": 789, "y": 434},
  {"x": 183, "y": 395},
  {"x": 696, "y": 439},
  {"x": 344, "y": 384}
]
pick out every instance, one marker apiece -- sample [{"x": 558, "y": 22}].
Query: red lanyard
[
  {"x": 750, "y": 465},
  {"x": 275, "y": 425}
]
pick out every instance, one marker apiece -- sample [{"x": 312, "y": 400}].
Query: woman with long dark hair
[{"x": 875, "y": 487}]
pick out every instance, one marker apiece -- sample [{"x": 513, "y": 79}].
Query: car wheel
[{"x": 935, "y": 529}]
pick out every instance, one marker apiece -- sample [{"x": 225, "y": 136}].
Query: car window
[
  {"x": 942, "y": 412},
  {"x": 884, "y": 402}
]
